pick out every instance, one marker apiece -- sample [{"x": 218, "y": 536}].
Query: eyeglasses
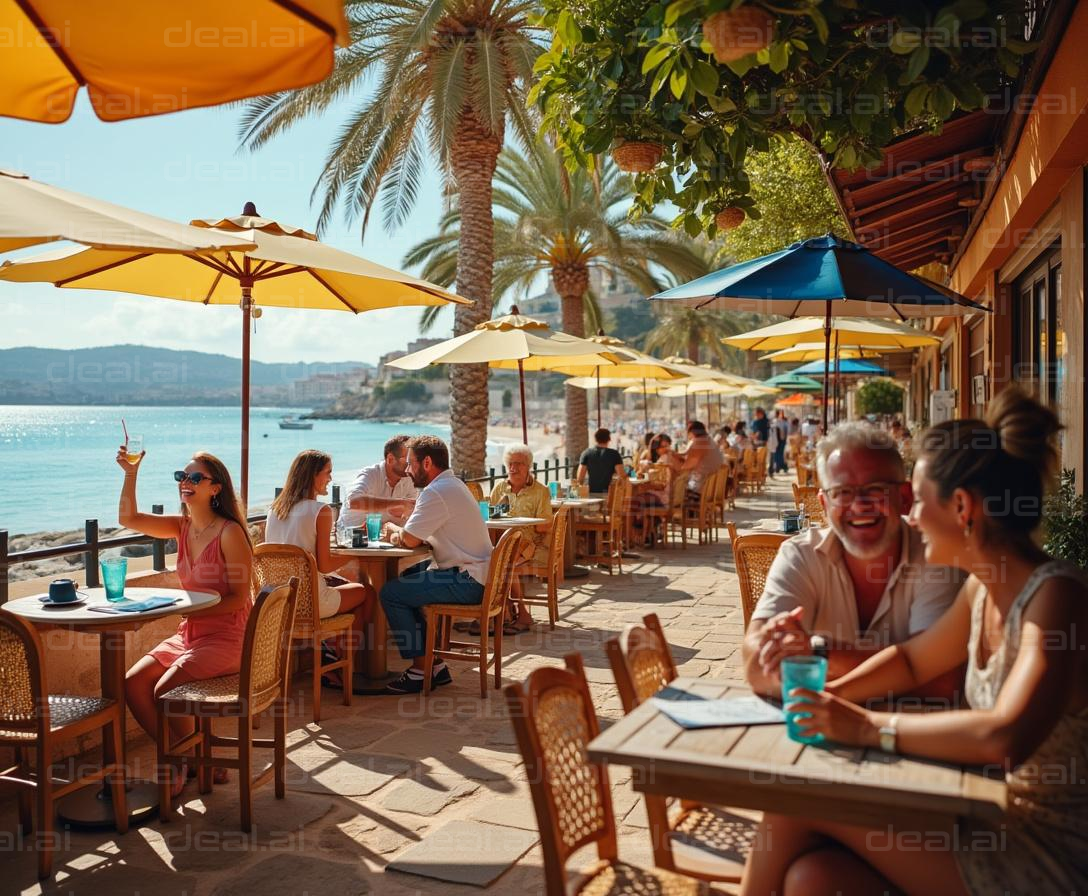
[
  {"x": 875, "y": 492},
  {"x": 194, "y": 478}
]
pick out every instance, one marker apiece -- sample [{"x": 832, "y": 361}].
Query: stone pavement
[{"x": 372, "y": 781}]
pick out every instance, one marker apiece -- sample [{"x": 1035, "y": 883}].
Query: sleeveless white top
[{"x": 300, "y": 527}]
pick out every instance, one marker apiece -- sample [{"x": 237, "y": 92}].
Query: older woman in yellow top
[{"x": 525, "y": 497}]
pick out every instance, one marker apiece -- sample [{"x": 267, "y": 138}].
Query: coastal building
[
  {"x": 386, "y": 373},
  {"x": 995, "y": 205},
  {"x": 322, "y": 388}
]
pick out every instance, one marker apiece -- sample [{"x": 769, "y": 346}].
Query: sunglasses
[{"x": 194, "y": 478}]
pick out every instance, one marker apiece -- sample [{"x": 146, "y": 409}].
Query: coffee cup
[{"x": 62, "y": 591}]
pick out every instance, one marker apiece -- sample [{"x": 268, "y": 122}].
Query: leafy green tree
[
  {"x": 442, "y": 80},
  {"x": 879, "y": 397},
  {"x": 549, "y": 221},
  {"x": 845, "y": 75},
  {"x": 632, "y": 322}
]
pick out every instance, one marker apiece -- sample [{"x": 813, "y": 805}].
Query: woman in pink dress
[{"x": 214, "y": 554}]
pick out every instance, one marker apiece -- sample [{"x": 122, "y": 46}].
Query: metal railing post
[
  {"x": 90, "y": 556},
  {"x": 158, "y": 546},
  {"x": 491, "y": 477},
  {"x": 3, "y": 566},
  {"x": 335, "y": 503}
]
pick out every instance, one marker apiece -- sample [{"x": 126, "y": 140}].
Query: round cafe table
[{"x": 90, "y": 806}]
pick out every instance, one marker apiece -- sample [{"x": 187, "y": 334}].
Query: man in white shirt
[
  {"x": 447, "y": 517},
  {"x": 862, "y": 583},
  {"x": 384, "y": 488}
]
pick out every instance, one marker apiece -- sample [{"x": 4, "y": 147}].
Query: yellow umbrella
[
  {"x": 511, "y": 342},
  {"x": 155, "y": 56},
  {"x": 814, "y": 351},
  {"x": 849, "y": 330},
  {"x": 286, "y": 268},
  {"x": 32, "y": 212}
]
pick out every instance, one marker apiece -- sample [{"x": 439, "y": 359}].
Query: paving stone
[
  {"x": 465, "y": 852},
  {"x": 427, "y": 797},
  {"x": 316, "y": 770},
  {"x": 512, "y": 812},
  {"x": 296, "y": 874},
  {"x": 105, "y": 879}
]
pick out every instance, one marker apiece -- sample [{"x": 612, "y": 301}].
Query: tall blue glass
[
  {"x": 553, "y": 489},
  {"x": 801, "y": 672},
  {"x": 485, "y": 510},
  {"x": 114, "y": 570},
  {"x": 373, "y": 527}
]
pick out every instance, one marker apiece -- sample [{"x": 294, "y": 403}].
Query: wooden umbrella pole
[
  {"x": 838, "y": 381},
  {"x": 247, "y": 306},
  {"x": 598, "y": 372},
  {"x": 645, "y": 406},
  {"x": 827, "y": 357},
  {"x": 521, "y": 388}
]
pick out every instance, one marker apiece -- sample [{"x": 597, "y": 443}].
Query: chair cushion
[
  {"x": 63, "y": 710},
  {"x": 620, "y": 879}
]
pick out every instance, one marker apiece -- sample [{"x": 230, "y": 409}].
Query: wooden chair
[
  {"x": 807, "y": 498},
  {"x": 262, "y": 683},
  {"x": 753, "y": 555},
  {"x": 656, "y": 517},
  {"x": 552, "y": 570},
  {"x": 33, "y": 722},
  {"x": 438, "y": 618},
  {"x": 677, "y": 511},
  {"x": 554, "y": 720},
  {"x": 275, "y": 563},
  {"x": 607, "y": 533},
  {"x": 760, "y": 468},
  {"x": 748, "y": 470},
  {"x": 477, "y": 491},
  {"x": 702, "y": 841},
  {"x": 705, "y": 513}
]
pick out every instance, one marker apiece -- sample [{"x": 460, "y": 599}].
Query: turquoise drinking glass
[
  {"x": 114, "y": 570},
  {"x": 801, "y": 672},
  {"x": 485, "y": 510},
  {"x": 553, "y": 487},
  {"x": 373, "y": 527}
]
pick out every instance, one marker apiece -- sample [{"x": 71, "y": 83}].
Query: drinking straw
[{"x": 125, "y": 429}]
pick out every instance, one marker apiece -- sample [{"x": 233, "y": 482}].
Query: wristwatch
[
  {"x": 888, "y": 735},
  {"x": 818, "y": 645}
]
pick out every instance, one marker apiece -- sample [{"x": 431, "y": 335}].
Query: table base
[
  {"x": 92, "y": 806},
  {"x": 575, "y": 572}
]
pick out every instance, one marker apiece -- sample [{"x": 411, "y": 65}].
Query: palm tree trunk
[
  {"x": 473, "y": 159},
  {"x": 571, "y": 281},
  {"x": 693, "y": 349}
]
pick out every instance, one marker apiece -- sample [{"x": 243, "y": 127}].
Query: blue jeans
[
  {"x": 778, "y": 459},
  {"x": 418, "y": 586}
]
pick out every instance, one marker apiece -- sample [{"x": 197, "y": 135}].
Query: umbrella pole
[
  {"x": 645, "y": 406},
  {"x": 521, "y": 388},
  {"x": 720, "y": 424},
  {"x": 827, "y": 357},
  {"x": 838, "y": 381},
  {"x": 247, "y": 306},
  {"x": 598, "y": 371}
]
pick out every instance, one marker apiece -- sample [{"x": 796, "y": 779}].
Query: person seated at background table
[
  {"x": 600, "y": 464},
  {"x": 863, "y": 581},
  {"x": 642, "y": 451},
  {"x": 383, "y": 488},
  {"x": 721, "y": 439},
  {"x": 1021, "y": 625},
  {"x": 701, "y": 459},
  {"x": 447, "y": 517},
  {"x": 297, "y": 517},
  {"x": 739, "y": 440},
  {"x": 525, "y": 497},
  {"x": 215, "y": 554}
]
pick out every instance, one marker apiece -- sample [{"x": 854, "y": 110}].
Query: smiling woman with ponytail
[{"x": 1020, "y": 624}]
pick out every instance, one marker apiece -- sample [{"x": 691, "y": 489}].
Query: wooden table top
[
  {"x": 511, "y": 522},
  {"x": 577, "y": 502},
  {"x": 383, "y": 550},
  {"x": 759, "y": 767},
  {"x": 82, "y": 615}
]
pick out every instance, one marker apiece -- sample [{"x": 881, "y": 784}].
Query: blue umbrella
[
  {"x": 845, "y": 367},
  {"x": 823, "y": 275}
]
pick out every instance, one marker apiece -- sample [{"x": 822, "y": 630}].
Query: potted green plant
[{"x": 1066, "y": 522}]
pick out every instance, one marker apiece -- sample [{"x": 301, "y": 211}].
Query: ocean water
[{"x": 57, "y": 464}]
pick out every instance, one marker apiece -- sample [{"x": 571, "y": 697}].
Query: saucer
[{"x": 52, "y": 605}]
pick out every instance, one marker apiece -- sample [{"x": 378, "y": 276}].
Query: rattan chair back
[
  {"x": 476, "y": 490},
  {"x": 24, "y": 703},
  {"x": 274, "y": 564},
  {"x": 753, "y": 556},
  {"x": 554, "y": 720},
  {"x": 807, "y": 498},
  {"x": 500, "y": 574},
  {"x": 557, "y": 542},
  {"x": 266, "y": 649},
  {"x": 641, "y": 661}
]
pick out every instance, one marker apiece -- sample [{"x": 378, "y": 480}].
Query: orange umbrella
[{"x": 155, "y": 56}]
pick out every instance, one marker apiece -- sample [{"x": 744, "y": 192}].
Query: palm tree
[
  {"x": 563, "y": 224},
  {"x": 443, "y": 78},
  {"x": 684, "y": 331}
]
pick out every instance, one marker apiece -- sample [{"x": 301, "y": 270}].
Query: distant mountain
[{"x": 140, "y": 374}]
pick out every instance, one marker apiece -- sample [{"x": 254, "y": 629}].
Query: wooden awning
[{"x": 915, "y": 206}]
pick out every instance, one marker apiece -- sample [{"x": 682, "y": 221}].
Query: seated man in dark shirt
[{"x": 601, "y": 463}]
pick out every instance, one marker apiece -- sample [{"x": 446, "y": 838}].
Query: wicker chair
[
  {"x": 438, "y": 618},
  {"x": 476, "y": 490},
  {"x": 261, "y": 683},
  {"x": 753, "y": 555},
  {"x": 702, "y": 841},
  {"x": 705, "y": 512},
  {"x": 608, "y": 532},
  {"x": 554, "y": 720},
  {"x": 33, "y": 721},
  {"x": 760, "y": 468},
  {"x": 807, "y": 498},
  {"x": 552, "y": 570},
  {"x": 274, "y": 563},
  {"x": 748, "y": 471},
  {"x": 656, "y": 518}
]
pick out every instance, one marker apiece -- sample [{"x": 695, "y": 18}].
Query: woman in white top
[{"x": 297, "y": 517}]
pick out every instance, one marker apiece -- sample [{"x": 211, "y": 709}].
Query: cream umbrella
[
  {"x": 286, "y": 267},
  {"x": 32, "y": 212},
  {"x": 814, "y": 351},
  {"x": 511, "y": 342},
  {"x": 155, "y": 56}
]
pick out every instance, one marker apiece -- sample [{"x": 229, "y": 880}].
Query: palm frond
[
  {"x": 449, "y": 87},
  {"x": 488, "y": 83}
]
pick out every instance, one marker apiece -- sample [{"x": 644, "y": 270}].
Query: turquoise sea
[{"x": 57, "y": 465}]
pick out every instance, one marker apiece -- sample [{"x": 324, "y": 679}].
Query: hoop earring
[{"x": 215, "y": 502}]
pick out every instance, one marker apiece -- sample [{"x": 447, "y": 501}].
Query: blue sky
[{"x": 183, "y": 166}]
